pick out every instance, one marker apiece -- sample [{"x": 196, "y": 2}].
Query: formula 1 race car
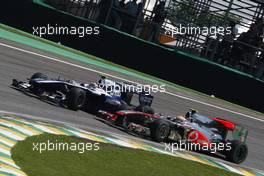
[
  {"x": 90, "y": 97},
  {"x": 214, "y": 135}
]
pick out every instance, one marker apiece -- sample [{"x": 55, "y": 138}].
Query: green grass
[{"x": 108, "y": 160}]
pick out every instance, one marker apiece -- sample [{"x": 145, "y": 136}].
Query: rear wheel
[
  {"x": 76, "y": 98},
  {"x": 159, "y": 130},
  {"x": 123, "y": 106},
  {"x": 238, "y": 152},
  {"x": 91, "y": 104},
  {"x": 145, "y": 109}
]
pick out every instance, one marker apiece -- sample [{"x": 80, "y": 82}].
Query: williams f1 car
[
  {"x": 90, "y": 97},
  {"x": 225, "y": 138}
]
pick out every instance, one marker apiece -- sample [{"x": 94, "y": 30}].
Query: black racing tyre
[
  {"x": 127, "y": 97},
  {"x": 159, "y": 130},
  {"x": 238, "y": 152},
  {"x": 39, "y": 75},
  {"x": 76, "y": 98},
  {"x": 123, "y": 106},
  {"x": 90, "y": 106},
  {"x": 145, "y": 109}
]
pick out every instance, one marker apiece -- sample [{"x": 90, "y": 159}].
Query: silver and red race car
[{"x": 225, "y": 138}]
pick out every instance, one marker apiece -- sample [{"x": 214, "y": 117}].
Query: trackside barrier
[{"x": 168, "y": 64}]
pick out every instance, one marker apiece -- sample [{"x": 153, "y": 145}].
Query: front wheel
[
  {"x": 76, "y": 98},
  {"x": 159, "y": 130}
]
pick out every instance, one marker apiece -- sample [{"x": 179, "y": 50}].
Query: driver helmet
[
  {"x": 106, "y": 84},
  {"x": 101, "y": 81},
  {"x": 193, "y": 111},
  {"x": 190, "y": 113}
]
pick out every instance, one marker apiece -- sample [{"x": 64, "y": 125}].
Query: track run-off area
[{"x": 21, "y": 61}]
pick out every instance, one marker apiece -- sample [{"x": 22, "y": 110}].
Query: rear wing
[
  {"x": 240, "y": 133},
  {"x": 127, "y": 90},
  {"x": 145, "y": 100},
  {"x": 234, "y": 131}
]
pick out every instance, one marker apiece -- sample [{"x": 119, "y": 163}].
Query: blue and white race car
[{"x": 105, "y": 95}]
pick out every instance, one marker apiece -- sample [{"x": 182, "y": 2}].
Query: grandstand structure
[
  {"x": 220, "y": 12},
  {"x": 195, "y": 13}
]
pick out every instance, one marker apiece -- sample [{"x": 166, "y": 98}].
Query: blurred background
[{"x": 241, "y": 49}]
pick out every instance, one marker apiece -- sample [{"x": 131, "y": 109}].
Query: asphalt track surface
[{"x": 21, "y": 65}]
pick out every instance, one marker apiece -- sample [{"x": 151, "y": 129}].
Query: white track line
[{"x": 123, "y": 79}]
